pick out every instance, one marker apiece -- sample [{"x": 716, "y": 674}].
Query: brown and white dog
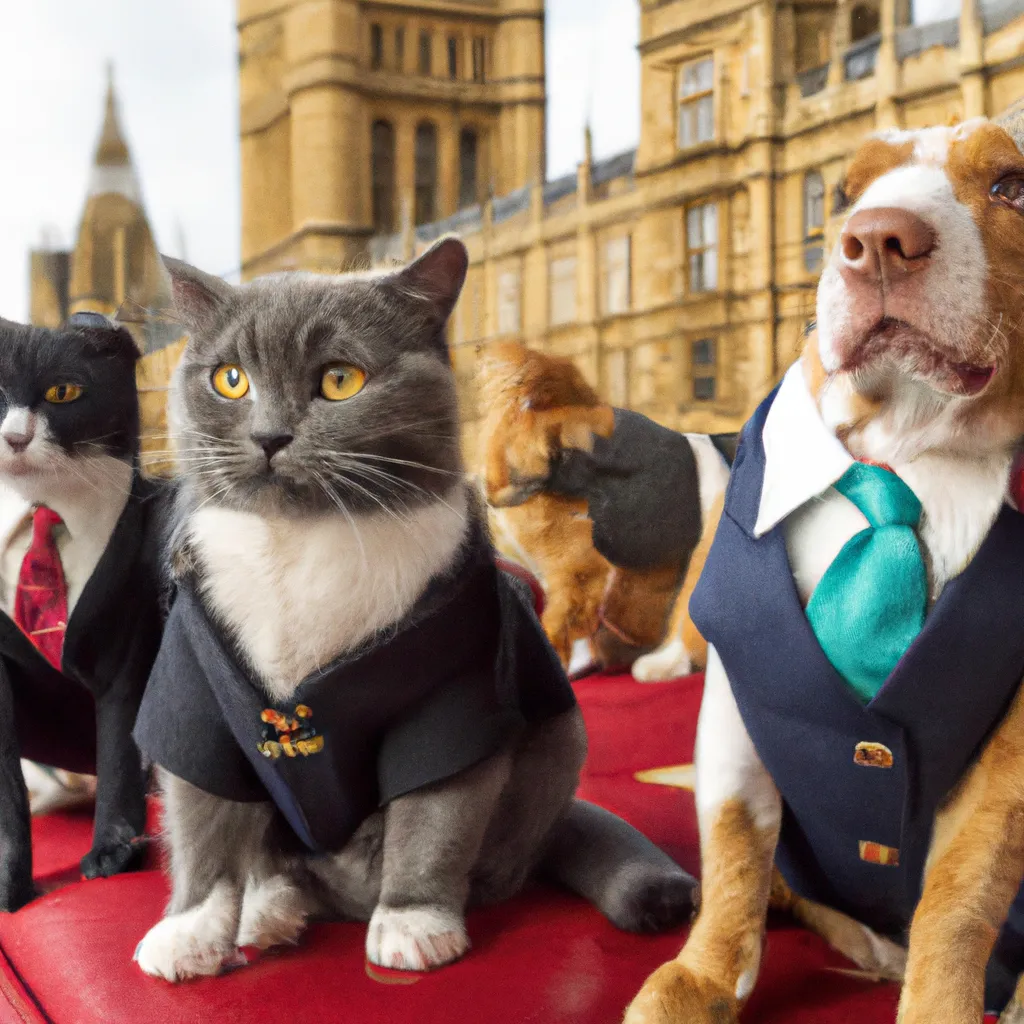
[
  {"x": 540, "y": 414},
  {"x": 917, "y": 363}
]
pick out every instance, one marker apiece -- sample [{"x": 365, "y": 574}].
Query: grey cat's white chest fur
[{"x": 298, "y": 592}]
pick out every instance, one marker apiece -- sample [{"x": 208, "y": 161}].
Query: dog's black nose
[{"x": 272, "y": 443}]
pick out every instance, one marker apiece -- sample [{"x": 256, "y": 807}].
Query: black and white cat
[
  {"x": 357, "y": 715},
  {"x": 69, "y": 440}
]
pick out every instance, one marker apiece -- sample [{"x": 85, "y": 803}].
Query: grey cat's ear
[
  {"x": 437, "y": 276},
  {"x": 200, "y": 298}
]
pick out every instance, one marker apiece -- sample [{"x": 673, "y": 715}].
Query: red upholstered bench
[{"x": 545, "y": 958}]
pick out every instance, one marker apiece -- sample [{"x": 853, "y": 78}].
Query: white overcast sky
[{"x": 175, "y": 68}]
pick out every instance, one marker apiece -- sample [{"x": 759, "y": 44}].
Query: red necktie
[{"x": 41, "y": 600}]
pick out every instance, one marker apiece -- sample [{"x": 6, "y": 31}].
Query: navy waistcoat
[
  {"x": 442, "y": 691},
  {"x": 844, "y": 817},
  {"x": 110, "y": 642}
]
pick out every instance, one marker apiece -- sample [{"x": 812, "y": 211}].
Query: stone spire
[{"x": 112, "y": 170}]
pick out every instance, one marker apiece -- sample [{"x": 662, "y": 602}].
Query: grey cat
[{"x": 355, "y": 713}]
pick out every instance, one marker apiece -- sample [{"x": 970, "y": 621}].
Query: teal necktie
[{"x": 871, "y": 602}]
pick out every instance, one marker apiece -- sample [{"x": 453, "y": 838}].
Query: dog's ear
[
  {"x": 1012, "y": 121},
  {"x": 579, "y": 426}
]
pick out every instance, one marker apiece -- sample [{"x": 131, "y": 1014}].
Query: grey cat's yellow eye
[
  {"x": 230, "y": 381},
  {"x": 60, "y": 394},
  {"x": 341, "y": 382}
]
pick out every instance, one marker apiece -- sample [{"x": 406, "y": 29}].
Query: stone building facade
[
  {"x": 358, "y": 114},
  {"x": 679, "y": 276}
]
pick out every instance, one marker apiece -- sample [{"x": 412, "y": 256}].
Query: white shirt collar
[{"x": 802, "y": 457}]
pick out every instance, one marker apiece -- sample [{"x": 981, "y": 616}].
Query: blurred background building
[
  {"x": 678, "y": 275},
  {"x": 113, "y": 269}
]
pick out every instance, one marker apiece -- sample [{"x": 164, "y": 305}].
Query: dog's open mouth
[{"x": 903, "y": 347}]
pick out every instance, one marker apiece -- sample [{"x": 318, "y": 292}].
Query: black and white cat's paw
[
  {"x": 274, "y": 913},
  {"x": 113, "y": 854},
  {"x": 197, "y": 943},
  {"x": 16, "y": 894},
  {"x": 415, "y": 938}
]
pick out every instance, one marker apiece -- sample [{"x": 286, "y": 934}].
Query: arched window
[
  {"x": 814, "y": 221},
  {"x": 467, "y": 168},
  {"x": 426, "y": 173},
  {"x": 382, "y": 174},
  {"x": 864, "y": 21}
]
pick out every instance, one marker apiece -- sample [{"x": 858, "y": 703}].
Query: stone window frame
[
  {"x": 469, "y": 191},
  {"x": 702, "y": 252},
  {"x": 611, "y": 262},
  {"x": 425, "y": 53},
  {"x": 376, "y": 46},
  {"x": 696, "y": 98},
  {"x": 563, "y": 272},
  {"x": 452, "y": 54},
  {"x": 508, "y": 294},
  {"x": 426, "y": 173},
  {"x": 814, "y": 195},
  {"x": 383, "y": 176},
  {"x": 704, "y": 354},
  {"x": 479, "y": 59}
]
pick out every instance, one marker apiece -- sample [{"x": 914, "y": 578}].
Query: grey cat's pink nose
[{"x": 273, "y": 443}]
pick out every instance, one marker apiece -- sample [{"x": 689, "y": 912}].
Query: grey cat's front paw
[
  {"x": 415, "y": 938},
  {"x": 274, "y": 913},
  {"x": 189, "y": 945}
]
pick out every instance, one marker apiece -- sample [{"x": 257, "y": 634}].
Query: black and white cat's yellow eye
[
  {"x": 341, "y": 382},
  {"x": 230, "y": 381},
  {"x": 60, "y": 394}
]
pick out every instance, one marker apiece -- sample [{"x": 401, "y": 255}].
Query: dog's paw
[
  {"x": 274, "y": 913},
  {"x": 113, "y": 856},
  {"x": 415, "y": 938},
  {"x": 674, "y": 995},
  {"x": 189, "y": 945},
  {"x": 670, "y": 661}
]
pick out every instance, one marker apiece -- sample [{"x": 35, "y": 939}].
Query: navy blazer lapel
[
  {"x": 746, "y": 479},
  {"x": 108, "y": 578},
  {"x": 953, "y": 678}
]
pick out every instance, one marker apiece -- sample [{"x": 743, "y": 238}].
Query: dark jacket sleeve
[
  {"x": 180, "y": 725},
  {"x": 642, "y": 492}
]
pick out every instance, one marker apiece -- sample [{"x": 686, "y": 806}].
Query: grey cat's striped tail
[{"x": 600, "y": 857}]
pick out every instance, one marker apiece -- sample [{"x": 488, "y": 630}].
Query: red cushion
[{"x": 545, "y": 957}]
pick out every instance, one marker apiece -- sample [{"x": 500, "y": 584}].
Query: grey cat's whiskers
[
  {"x": 388, "y": 480},
  {"x": 340, "y": 505},
  {"x": 399, "y": 462}
]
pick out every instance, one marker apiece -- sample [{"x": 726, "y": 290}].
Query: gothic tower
[
  {"x": 114, "y": 257},
  {"x": 358, "y": 116}
]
